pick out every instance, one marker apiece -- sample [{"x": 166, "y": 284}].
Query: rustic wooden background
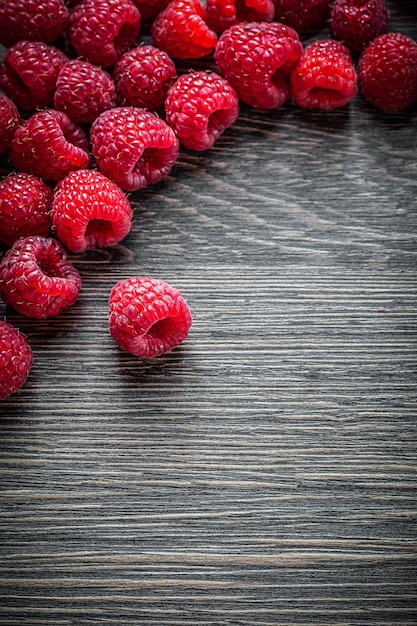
[{"x": 264, "y": 473}]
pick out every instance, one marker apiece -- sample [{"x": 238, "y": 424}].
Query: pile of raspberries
[{"x": 91, "y": 110}]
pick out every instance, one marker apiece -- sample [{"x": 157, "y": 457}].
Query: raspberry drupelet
[
  {"x": 16, "y": 359},
  {"x": 257, "y": 59},
  {"x": 148, "y": 317},
  {"x": 325, "y": 77},
  {"x": 34, "y": 20},
  {"x": 25, "y": 207},
  {"x": 199, "y": 107},
  {"x": 29, "y": 73},
  {"x": 100, "y": 31},
  {"x": 37, "y": 279},
  {"x": 9, "y": 122},
  {"x": 49, "y": 145},
  {"x": 221, "y": 14},
  {"x": 90, "y": 211},
  {"x": 133, "y": 147}
]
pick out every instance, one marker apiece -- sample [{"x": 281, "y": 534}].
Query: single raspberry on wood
[
  {"x": 37, "y": 279},
  {"x": 16, "y": 359},
  {"x": 199, "y": 107},
  {"x": 388, "y": 72},
  {"x": 90, "y": 211},
  {"x": 257, "y": 59},
  {"x": 325, "y": 77},
  {"x": 83, "y": 91},
  {"x": 25, "y": 207},
  {"x": 302, "y": 15},
  {"x": 143, "y": 76},
  {"x": 357, "y": 22},
  {"x": 101, "y": 31},
  {"x": 221, "y": 14},
  {"x": 29, "y": 73},
  {"x": 9, "y": 122},
  {"x": 35, "y": 20},
  {"x": 49, "y": 145},
  {"x": 148, "y": 317},
  {"x": 133, "y": 147},
  {"x": 181, "y": 30}
]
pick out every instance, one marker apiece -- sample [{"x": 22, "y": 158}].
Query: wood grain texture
[{"x": 264, "y": 473}]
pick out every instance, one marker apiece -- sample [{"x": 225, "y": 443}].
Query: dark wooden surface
[{"x": 265, "y": 472}]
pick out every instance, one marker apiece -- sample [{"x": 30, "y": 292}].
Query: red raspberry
[
  {"x": 199, "y": 107},
  {"x": 147, "y": 317},
  {"x": 257, "y": 59},
  {"x": 101, "y": 31},
  {"x": 149, "y": 9},
  {"x": 90, "y": 211},
  {"x": 49, "y": 145},
  {"x": 16, "y": 359},
  {"x": 37, "y": 279},
  {"x": 222, "y": 14},
  {"x": 302, "y": 15},
  {"x": 325, "y": 77},
  {"x": 358, "y": 22},
  {"x": 35, "y": 20},
  {"x": 133, "y": 147},
  {"x": 83, "y": 91},
  {"x": 9, "y": 122},
  {"x": 182, "y": 32},
  {"x": 143, "y": 76},
  {"x": 25, "y": 207},
  {"x": 388, "y": 72},
  {"x": 29, "y": 73}
]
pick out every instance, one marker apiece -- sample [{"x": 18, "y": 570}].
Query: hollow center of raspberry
[
  {"x": 161, "y": 328},
  {"x": 218, "y": 121},
  {"x": 97, "y": 232}
]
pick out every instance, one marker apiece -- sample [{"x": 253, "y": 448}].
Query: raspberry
[
  {"x": 143, "y": 76},
  {"x": 35, "y": 20},
  {"x": 133, "y": 147},
  {"x": 325, "y": 77},
  {"x": 302, "y": 15},
  {"x": 37, "y": 279},
  {"x": 388, "y": 72},
  {"x": 222, "y": 14},
  {"x": 83, "y": 91},
  {"x": 199, "y": 107},
  {"x": 29, "y": 73},
  {"x": 49, "y": 145},
  {"x": 149, "y": 9},
  {"x": 9, "y": 122},
  {"x": 147, "y": 317},
  {"x": 90, "y": 211},
  {"x": 25, "y": 207},
  {"x": 257, "y": 59},
  {"x": 16, "y": 359},
  {"x": 358, "y": 22},
  {"x": 101, "y": 31},
  {"x": 182, "y": 32}
]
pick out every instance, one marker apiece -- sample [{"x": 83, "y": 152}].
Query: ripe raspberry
[
  {"x": 325, "y": 77},
  {"x": 302, "y": 15},
  {"x": 149, "y": 9},
  {"x": 133, "y": 147},
  {"x": 182, "y": 32},
  {"x": 358, "y": 22},
  {"x": 143, "y": 76},
  {"x": 16, "y": 359},
  {"x": 83, "y": 91},
  {"x": 147, "y": 317},
  {"x": 9, "y": 122},
  {"x": 49, "y": 145},
  {"x": 29, "y": 73},
  {"x": 37, "y": 279},
  {"x": 25, "y": 207},
  {"x": 35, "y": 20},
  {"x": 388, "y": 72},
  {"x": 199, "y": 107},
  {"x": 257, "y": 59},
  {"x": 90, "y": 211},
  {"x": 100, "y": 31},
  {"x": 222, "y": 14}
]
